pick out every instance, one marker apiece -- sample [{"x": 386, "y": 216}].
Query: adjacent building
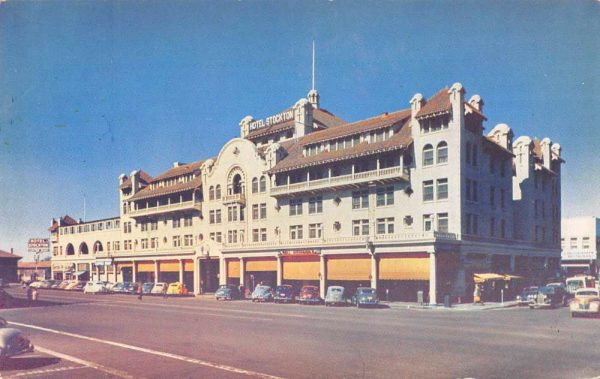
[
  {"x": 8, "y": 266},
  {"x": 580, "y": 243},
  {"x": 32, "y": 271},
  {"x": 417, "y": 199}
]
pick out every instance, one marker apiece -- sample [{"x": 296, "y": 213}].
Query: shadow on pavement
[
  {"x": 28, "y": 363},
  {"x": 16, "y": 302}
]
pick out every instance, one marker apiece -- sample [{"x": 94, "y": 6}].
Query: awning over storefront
[
  {"x": 145, "y": 267},
  {"x": 301, "y": 268},
  {"x": 348, "y": 268},
  {"x": 410, "y": 267},
  {"x": 168, "y": 266},
  {"x": 188, "y": 265},
  {"x": 261, "y": 264},
  {"x": 481, "y": 278},
  {"x": 77, "y": 273},
  {"x": 509, "y": 277},
  {"x": 233, "y": 268}
]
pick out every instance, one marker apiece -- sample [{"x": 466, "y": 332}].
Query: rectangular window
[
  {"x": 212, "y": 236},
  {"x": 263, "y": 211},
  {"x": 573, "y": 243},
  {"x": 263, "y": 234},
  {"x": 442, "y": 189},
  {"x": 428, "y": 156},
  {"x": 295, "y": 207},
  {"x": 427, "y": 223},
  {"x": 232, "y": 213},
  {"x": 211, "y": 218},
  {"x": 503, "y": 228},
  {"x": 255, "y": 235},
  {"x": 315, "y": 205},
  {"x": 144, "y": 243},
  {"x": 442, "y": 153},
  {"x": 154, "y": 225},
  {"x": 117, "y": 246},
  {"x": 360, "y": 199},
  {"x": 586, "y": 242},
  {"x": 503, "y": 169},
  {"x": 144, "y": 226},
  {"x": 187, "y": 221},
  {"x": 385, "y": 196},
  {"x": 428, "y": 190},
  {"x": 360, "y": 227},
  {"x": 218, "y": 216},
  {"x": 442, "y": 220},
  {"x": 154, "y": 243},
  {"x": 502, "y": 198},
  {"x": 296, "y": 232},
  {"x": 176, "y": 241},
  {"x": 187, "y": 240},
  {"x": 385, "y": 225},
  {"x": 315, "y": 230},
  {"x": 177, "y": 221},
  {"x": 255, "y": 211},
  {"x": 219, "y": 237}
]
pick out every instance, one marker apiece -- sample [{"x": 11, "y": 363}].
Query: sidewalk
[{"x": 455, "y": 307}]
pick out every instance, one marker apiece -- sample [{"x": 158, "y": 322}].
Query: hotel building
[
  {"x": 417, "y": 199},
  {"x": 580, "y": 245}
]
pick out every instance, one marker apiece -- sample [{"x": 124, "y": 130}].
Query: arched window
[
  {"x": 211, "y": 193},
  {"x": 83, "y": 248},
  {"x": 442, "y": 152},
  {"x": 254, "y": 185},
  {"x": 236, "y": 184},
  {"x": 70, "y": 249},
  {"x": 218, "y": 192},
  {"x": 427, "y": 155},
  {"x": 98, "y": 247},
  {"x": 263, "y": 184}
]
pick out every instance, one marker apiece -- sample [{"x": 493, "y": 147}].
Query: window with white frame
[
  {"x": 187, "y": 221},
  {"x": 188, "y": 240},
  {"x": 442, "y": 152},
  {"x": 360, "y": 227},
  {"x": 263, "y": 184},
  {"x": 315, "y": 230},
  {"x": 176, "y": 241},
  {"x": 315, "y": 205},
  {"x": 254, "y": 185},
  {"x": 263, "y": 211},
  {"x": 144, "y": 243},
  {"x": 255, "y": 211},
  {"x": 428, "y": 190},
  {"x": 442, "y": 222},
  {"x": 385, "y": 225},
  {"x": 427, "y": 155},
  {"x": 360, "y": 199},
  {"x": 296, "y": 232},
  {"x": 177, "y": 222},
  {"x": 154, "y": 242},
  {"x": 385, "y": 196},
  {"x": 295, "y": 207},
  {"x": 442, "y": 189},
  {"x": 586, "y": 242}
]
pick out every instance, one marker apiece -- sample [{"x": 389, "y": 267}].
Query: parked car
[
  {"x": 309, "y": 295},
  {"x": 365, "y": 296},
  {"x": 47, "y": 283},
  {"x": 12, "y": 342},
  {"x": 131, "y": 288},
  {"x": 71, "y": 285},
  {"x": 118, "y": 287},
  {"x": 585, "y": 303},
  {"x": 177, "y": 289},
  {"x": 227, "y": 292},
  {"x": 262, "y": 293},
  {"x": 561, "y": 292},
  {"x": 63, "y": 284},
  {"x": 37, "y": 284},
  {"x": 147, "y": 288},
  {"x": 56, "y": 285},
  {"x": 95, "y": 287},
  {"x": 576, "y": 282},
  {"x": 527, "y": 295},
  {"x": 548, "y": 297},
  {"x": 336, "y": 295},
  {"x": 284, "y": 294},
  {"x": 80, "y": 286},
  {"x": 159, "y": 288}
]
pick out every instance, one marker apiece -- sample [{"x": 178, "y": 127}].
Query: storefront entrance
[
  {"x": 349, "y": 271},
  {"x": 261, "y": 271},
  {"x": 300, "y": 271},
  {"x": 233, "y": 271},
  {"x": 209, "y": 275},
  {"x": 401, "y": 276},
  {"x": 168, "y": 271},
  {"x": 145, "y": 272}
]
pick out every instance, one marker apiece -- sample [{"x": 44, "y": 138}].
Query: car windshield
[
  {"x": 335, "y": 290},
  {"x": 366, "y": 291},
  {"x": 575, "y": 283},
  {"x": 284, "y": 289},
  {"x": 587, "y": 293},
  {"x": 261, "y": 289},
  {"x": 309, "y": 289},
  {"x": 547, "y": 290}
]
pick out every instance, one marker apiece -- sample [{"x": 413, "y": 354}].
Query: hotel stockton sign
[{"x": 272, "y": 120}]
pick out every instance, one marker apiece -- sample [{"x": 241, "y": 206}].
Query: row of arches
[
  {"x": 440, "y": 156},
  {"x": 83, "y": 248},
  {"x": 236, "y": 185}
]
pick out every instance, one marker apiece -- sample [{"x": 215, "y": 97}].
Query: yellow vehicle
[{"x": 177, "y": 289}]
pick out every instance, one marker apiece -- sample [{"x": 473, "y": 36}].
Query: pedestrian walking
[
  {"x": 29, "y": 293},
  {"x": 164, "y": 292},
  {"x": 140, "y": 291}
]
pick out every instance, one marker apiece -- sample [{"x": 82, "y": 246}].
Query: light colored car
[
  {"x": 585, "y": 303},
  {"x": 72, "y": 284},
  {"x": 262, "y": 293},
  {"x": 12, "y": 342},
  {"x": 95, "y": 287},
  {"x": 159, "y": 288},
  {"x": 336, "y": 295},
  {"x": 37, "y": 284},
  {"x": 177, "y": 289}
]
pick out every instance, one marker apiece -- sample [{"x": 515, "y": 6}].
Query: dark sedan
[
  {"x": 527, "y": 295},
  {"x": 227, "y": 292},
  {"x": 309, "y": 295},
  {"x": 365, "y": 296},
  {"x": 284, "y": 294},
  {"x": 548, "y": 297}
]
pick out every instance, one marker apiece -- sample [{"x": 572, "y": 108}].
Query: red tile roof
[
  {"x": 475, "y": 110},
  {"x": 320, "y": 116},
  {"x": 42, "y": 264},
  {"x": 6, "y": 254},
  {"x": 271, "y": 129},
  {"x": 144, "y": 178},
  {"x": 437, "y": 104},
  {"x": 64, "y": 221},
  {"x": 182, "y": 169},
  {"x": 295, "y": 158},
  {"x": 149, "y": 192}
]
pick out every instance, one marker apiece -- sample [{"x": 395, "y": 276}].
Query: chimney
[
  {"x": 416, "y": 103},
  {"x": 245, "y": 126},
  {"x": 122, "y": 178},
  {"x": 12, "y": 251},
  {"x": 502, "y": 135},
  {"x": 135, "y": 181},
  {"x": 545, "y": 146},
  {"x": 303, "y": 117},
  {"x": 177, "y": 164},
  {"x": 457, "y": 99},
  {"x": 476, "y": 102}
]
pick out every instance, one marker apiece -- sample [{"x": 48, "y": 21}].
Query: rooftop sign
[
  {"x": 272, "y": 120},
  {"x": 38, "y": 245}
]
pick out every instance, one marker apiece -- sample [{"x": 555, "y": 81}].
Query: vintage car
[
  {"x": 147, "y": 288},
  {"x": 527, "y": 295},
  {"x": 336, "y": 295},
  {"x": 94, "y": 287},
  {"x": 177, "y": 289},
  {"x": 118, "y": 287},
  {"x": 309, "y": 295},
  {"x": 548, "y": 297},
  {"x": 64, "y": 284},
  {"x": 12, "y": 342},
  {"x": 576, "y": 282},
  {"x": 262, "y": 293},
  {"x": 585, "y": 303},
  {"x": 227, "y": 292},
  {"x": 72, "y": 285},
  {"x": 284, "y": 294},
  {"x": 159, "y": 288},
  {"x": 365, "y": 296},
  {"x": 37, "y": 284}
]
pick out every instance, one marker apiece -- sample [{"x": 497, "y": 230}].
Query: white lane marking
[
  {"x": 151, "y": 351},
  {"x": 44, "y": 372},
  {"x": 108, "y": 370},
  {"x": 180, "y": 311}
]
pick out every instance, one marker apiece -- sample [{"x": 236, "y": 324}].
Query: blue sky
[{"x": 93, "y": 89}]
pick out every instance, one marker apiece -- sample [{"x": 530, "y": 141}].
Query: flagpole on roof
[{"x": 313, "y": 65}]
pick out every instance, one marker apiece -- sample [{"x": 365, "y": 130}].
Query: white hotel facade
[{"x": 415, "y": 199}]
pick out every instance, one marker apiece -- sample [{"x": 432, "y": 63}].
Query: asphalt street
[{"x": 90, "y": 336}]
